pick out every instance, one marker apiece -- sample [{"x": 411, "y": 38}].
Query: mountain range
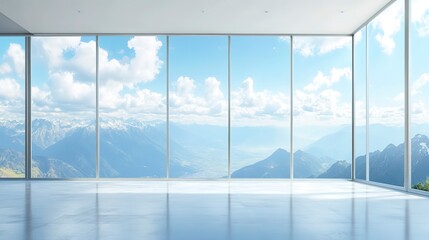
[
  {"x": 277, "y": 166},
  {"x": 62, "y": 151},
  {"x": 386, "y": 166},
  {"x": 134, "y": 148}
]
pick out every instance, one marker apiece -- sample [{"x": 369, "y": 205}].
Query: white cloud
[
  {"x": 284, "y": 39},
  {"x": 119, "y": 78},
  {"x": 83, "y": 62},
  {"x": 399, "y": 97},
  {"x": 417, "y": 108},
  {"x": 330, "y": 99},
  {"x": 65, "y": 89},
  {"x": 419, "y": 111},
  {"x": 309, "y": 46},
  {"x": 146, "y": 64},
  {"x": 422, "y": 81},
  {"x": 249, "y": 106},
  {"x": 53, "y": 48},
  {"x": 317, "y": 102},
  {"x": 247, "y": 94},
  {"x": 10, "y": 89},
  {"x": 5, "y": 68},
  {"x": 185, "y": 87},
  {"x": 325, "y": 104},
  {"x": 322, "y": 80},
  {"x": 14, "y": 61},
  {"x": 184, "y": 100},
  {"x": 212, "y": 89},
  {"x": 360, "y": 112},
  {"x": 17, "y": 54},
  {"x": 67, "y": 54},
  {"x": 110, "y": 97},
  {"x": 246, "y": 103},
  {"x": 145, "y": 100},
  {"x": 389, "y": 23},
  {"x": 387, "y": 115},
  {"x": 144, "y": 67},
  {"x": 139, "y": 101},
  {"x": 420, "y": 16},
  {"x": 40, "y": 98},
  {"x": 419, "y": 89},
  {"x": 71, "y": 64}
]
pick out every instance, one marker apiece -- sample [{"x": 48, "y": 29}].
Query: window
[
  {"x": 260, "y": 107},
  {"x": 12, "y": 107},
  {"x": 198, "y": 79},
  {"x": 63, "y": 107},
  {"x": 322, "y": 107},
  {"x": 419, "y": 92},
  {"x": 132, "y": 106},
  {"x": 360, "y": 103},
  {"x": 386, "y": 96},
  {"x": 140, "y": 93}
]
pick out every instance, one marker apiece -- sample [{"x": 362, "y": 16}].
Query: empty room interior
[{"x": 212, "y": 120}]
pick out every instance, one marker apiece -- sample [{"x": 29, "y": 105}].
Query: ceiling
[{"x": 185, "y": 16}]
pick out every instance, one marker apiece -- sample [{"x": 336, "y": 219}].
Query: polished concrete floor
[{"x": 209, "y": 210}]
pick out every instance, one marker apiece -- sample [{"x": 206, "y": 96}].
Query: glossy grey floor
[{"x": 209, "y": 210}]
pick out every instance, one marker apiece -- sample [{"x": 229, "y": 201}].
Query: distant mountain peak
[
  {"x": 12, "y": 124},
  {"x": 299, "y": 151},
  {"x": 423, "y": 148},
  {"x": 124, "y": 124},
  {"x": 280, "y": 151},
  {"x": 340, "y": 169},
  {"x": 418, "y": 138},
  {"x": 389, "y": 147}
]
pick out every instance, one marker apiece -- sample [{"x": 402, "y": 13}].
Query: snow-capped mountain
[
  {"x": 419, "y": 158},
  {"x": 129, "y": 148},
  {"x": 45, "y": 133},
  {"x": 386, "y": 166},
  {"x": 133, "y": 148}
]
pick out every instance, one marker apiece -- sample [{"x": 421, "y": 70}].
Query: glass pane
[
  {"x": 12, "y": 107},
  {"x": 63, "y": 107},
  {"x": 322, "y": 107},
  {"x": 132, "y": 106},
  {"x": 260, "y": 107},
  {"x": 198, "y": 106},
  {"x": 419, "y": 92},
  {"x": 386, "y": 96},
  {"x": 360, "y": 103}
]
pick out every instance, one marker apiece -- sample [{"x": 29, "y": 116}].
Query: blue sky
[
  {"x": 117, "y": 47},
  {"x": 419, "y": 67},
  {"x": 385, "y": 49},
  {"x": 199, "y": 79}
]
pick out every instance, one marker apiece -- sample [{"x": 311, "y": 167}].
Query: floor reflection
[
  {"x": 28, "y": 216},
  {"x": 209, "y": 210}
]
